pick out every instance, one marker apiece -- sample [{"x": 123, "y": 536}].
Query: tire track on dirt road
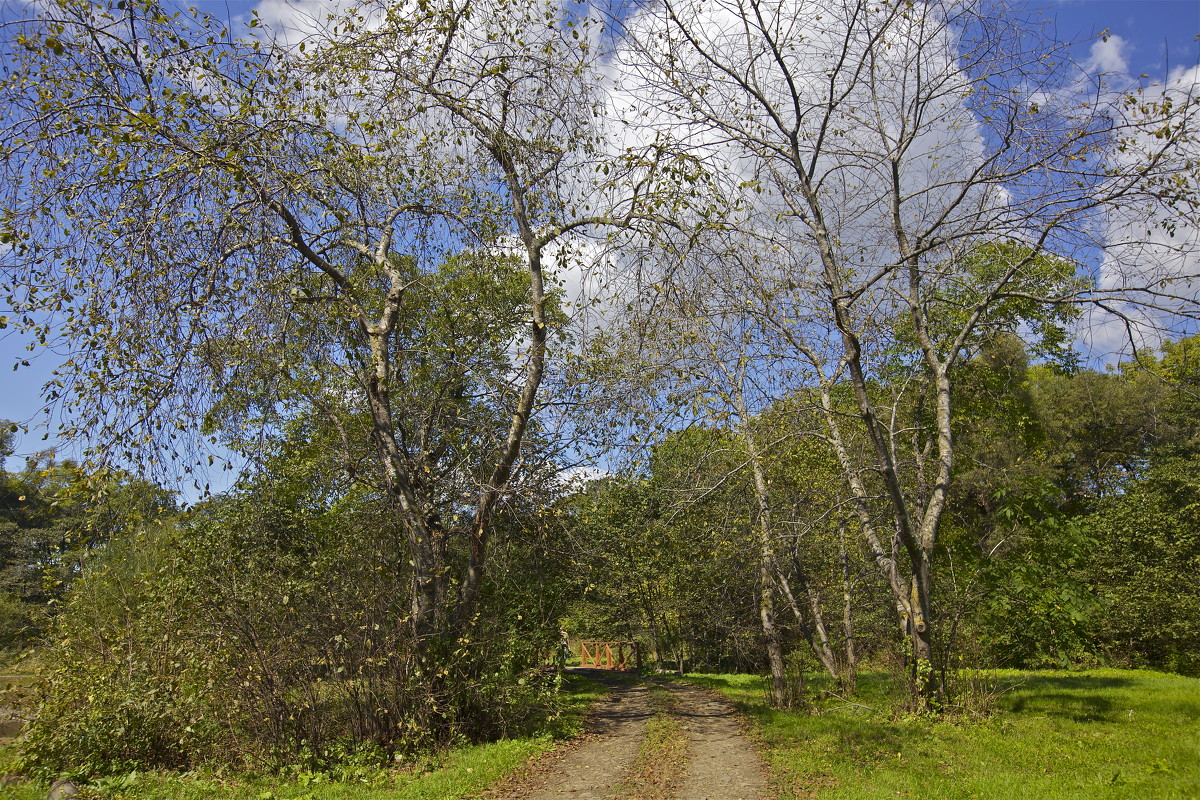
[
  {"x": 595, "y": 768},
  {"x": 722, "y": 764}
]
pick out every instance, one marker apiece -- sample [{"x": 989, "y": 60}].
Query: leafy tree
[
  {"x": 657, "y": 566},
  {"x": 1063, "y": 477},
  {"x": 267, "y": 627},
  {"x": 1145, "y": 566},
  {"x": 1177, "y": 432},
  {"x": 1100, "y": 427},
  {"x": 353, "y": 230},
  {"x": 1148, "y": 540},
  {"x": 7, "y": 437},
  {"x": 53, "y": 516},
  {"x": 823, "y": 571}
]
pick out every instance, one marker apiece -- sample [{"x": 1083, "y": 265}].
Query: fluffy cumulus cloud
[
  {"x": 972, "y": 169},
  {"x": 1109, "y": 56},
  {"x": 729, "y": 111},
  {"x": 859, "y": 90},
  {"x": 293, "y": 21},
  {"x": 1149, "y": 270}
]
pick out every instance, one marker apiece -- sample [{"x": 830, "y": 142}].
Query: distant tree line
[{"x": 1071, "y": 534}]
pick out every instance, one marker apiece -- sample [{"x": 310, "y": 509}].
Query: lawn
[{"x": 1096, "y": 735}]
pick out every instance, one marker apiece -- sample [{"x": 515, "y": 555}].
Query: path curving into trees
[{"x": 720, "y": 763}]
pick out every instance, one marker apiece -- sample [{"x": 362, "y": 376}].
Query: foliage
[
  {"x": 125, "y": 686},
  {"x": 1033, "y": 578},
  {"x": 1039, "y": 609},
  {"x": 1144, "y": 569},
  {"x": 1064, "y": 475},
  {"x": 853, "y": 262},
  {"x": 663, "y": 559},
  {"x": 461, "y": 771},
  {"x": 345, "y": 264},
  {"x": 377, "y": 276},
  {"x": 1100, "y": 428},
  {"x": 847, "y": 265},
  {"x": 52, "y": 516},
  {"x": 270, "y": 628},
  {"x": 1148, "y": 550}
]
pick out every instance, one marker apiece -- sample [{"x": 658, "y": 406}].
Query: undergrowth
[{"x": 460, "y": 772}]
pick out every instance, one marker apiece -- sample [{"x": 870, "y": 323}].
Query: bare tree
[{"x": 915, "y": 174}]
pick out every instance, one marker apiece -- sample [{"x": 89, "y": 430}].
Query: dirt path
[
  {"x": 595, "y": 768},
  {"x": 722, "y": 764}
]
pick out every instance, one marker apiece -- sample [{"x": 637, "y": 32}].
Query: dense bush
[
  {"x": 1145, "y": 567},
  {"x": 128, "y": 683},
  {"x": 270, "y": 629}
]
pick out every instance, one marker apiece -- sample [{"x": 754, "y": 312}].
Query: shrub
[{"x": 267, "y": 630}]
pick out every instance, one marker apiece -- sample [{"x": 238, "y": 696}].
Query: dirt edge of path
[
  {"x": 726, "y": 759},
  {"x": 621, "y": 713},
  {"x": 719, "y": 759}
]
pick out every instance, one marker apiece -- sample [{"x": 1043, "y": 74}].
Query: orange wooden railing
[{"x": 609, "y": 655}]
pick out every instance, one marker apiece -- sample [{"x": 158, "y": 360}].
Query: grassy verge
[
  {"x": 657, "y": 772},
  {"x": 1097, "y": 735},
  {"x": 464, "y": 772}
]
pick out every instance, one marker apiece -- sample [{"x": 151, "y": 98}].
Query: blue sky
[
  {"x": 1155, "y": 36},
  {"x": 1158, "y": 34}
]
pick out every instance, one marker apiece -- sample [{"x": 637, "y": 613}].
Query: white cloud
[
  {"x": 577, "y": 478},
  {"x": 647, "y": 110},
  {"x": 1108, "y": 56},
  {"x": 1151, "y": 261},
  {"x": 289, "y": 22},
  {"x": 664, "y": 93}
]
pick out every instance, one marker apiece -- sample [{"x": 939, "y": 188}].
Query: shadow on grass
[{"x": 1073, "y": 697}]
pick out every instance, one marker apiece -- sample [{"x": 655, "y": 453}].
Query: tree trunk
[
  {"x": 851, "y": 677},
  {"x": 766, "y": 613},
  {"x": 766, "y": 576},
  {"x": 820, "y": 642},
  {"x": 923, "y": 674}
]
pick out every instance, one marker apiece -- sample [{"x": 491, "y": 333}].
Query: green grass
[
  {"x": 1097, "y": 735},
  {"x": 463, "y": 772},
  {"x": 658, "y": 769}
]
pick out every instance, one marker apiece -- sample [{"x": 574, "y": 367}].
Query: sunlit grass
[{"x": 1097, "y": 735}]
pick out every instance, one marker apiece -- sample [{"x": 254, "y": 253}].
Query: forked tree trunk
[{"x": 816, "y": 634}]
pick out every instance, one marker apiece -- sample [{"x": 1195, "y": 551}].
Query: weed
[{"x": 658, "y": 770}]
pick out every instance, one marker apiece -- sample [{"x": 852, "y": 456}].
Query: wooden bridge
[{"x": 609, "y": 655}]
